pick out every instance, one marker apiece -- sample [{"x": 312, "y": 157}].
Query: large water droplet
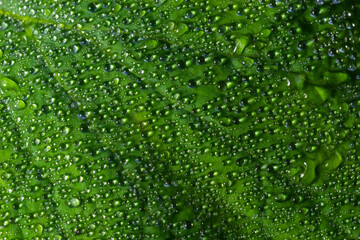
[{"x": 74, "y": 202}]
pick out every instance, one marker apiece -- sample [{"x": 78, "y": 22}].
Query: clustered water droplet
[{"x": 179, "y": 119}]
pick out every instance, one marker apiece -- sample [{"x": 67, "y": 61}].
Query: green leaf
[{"x": 179, "y": 119}]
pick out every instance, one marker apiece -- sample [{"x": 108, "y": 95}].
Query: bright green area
[{"x": 179, "y": 119}]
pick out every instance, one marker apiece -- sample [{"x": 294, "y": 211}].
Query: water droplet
[
  {"x": 4, "y": 26},
  {"x": 19, "y": 105},
  {"x": 75, "y": 49},
  {"x": 6, "y": 84},
  {"x": 93, "y": 7},
  {"x": 74, "y": 202}
]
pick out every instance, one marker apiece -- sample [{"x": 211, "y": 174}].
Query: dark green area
[{"x": 179, "y": 119}]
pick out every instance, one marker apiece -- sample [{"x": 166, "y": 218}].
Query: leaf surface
[{"x": 177, "y": 119}]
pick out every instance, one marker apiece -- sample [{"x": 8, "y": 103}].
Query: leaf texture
[{"x": 179, "y": 119}]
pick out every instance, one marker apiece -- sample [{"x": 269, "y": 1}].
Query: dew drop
[{"x": 74, "y": 202}]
